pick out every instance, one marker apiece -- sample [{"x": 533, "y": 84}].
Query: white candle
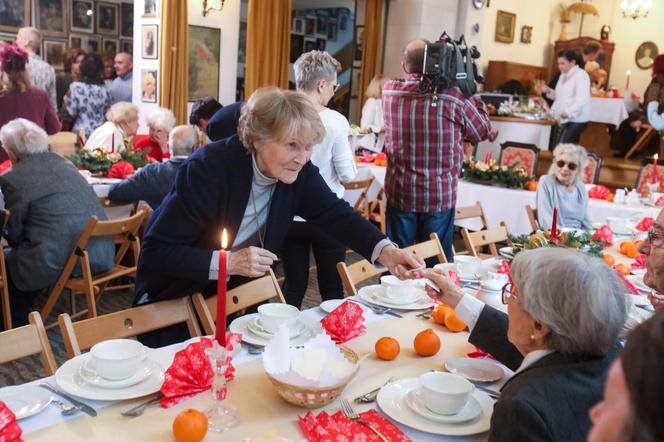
[{"x": 629, "y": 73}]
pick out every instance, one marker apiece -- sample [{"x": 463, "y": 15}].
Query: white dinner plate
[
  {"x": 331, "y": 304},
  {"x": 374, "y": 295},
  {"x": 241, "y": 325},
  {"x": 26, "y": 400},
  {"x": 637, "y": 280},
  {"x": 87, "y": 373},
  {"x": 256, "y": 328},
  {"x": 638, "y": 300},
  {"x": 473, "y": 369},
  {"x": 415, "y": 295},
  {"x": 68, "y": 379},
  {"x": 392, "y": 401},
  {"x": 469, "y": 278},
  {"x": 415, "y": 402}
]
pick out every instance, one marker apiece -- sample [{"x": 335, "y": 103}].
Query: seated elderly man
[
  {"x": 653, "y": 248},
  {"x": 153, "y": 182},
  {"x": 50, "y": 204}
]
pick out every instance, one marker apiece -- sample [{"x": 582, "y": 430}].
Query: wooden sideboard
[{"x": 501, "y": 71}]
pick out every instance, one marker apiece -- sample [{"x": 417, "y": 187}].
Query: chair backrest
[
  {"x": 532, "y": 217},
  {"x": 593, "y": 168},
  {"x": 258, "y": 290},
  {"x": 362, "y": 203},
  {"x": 28, "y": 340},
  {"x": 63, "y": 143},
  {"x": 519, "y": 154},
  {"x": 125, "y": 232},
  {"x": 476, "y": 211},
  {"x": 427, "y": 249},
  {"x": 489, "y": 237},
  {"x": 646, "y": 174},
  {"x": 356, "y": 273},
  {"x": 106, "y": 202},
  {"x": 4, "y": 288},
  {"x": 82, "y": 139},
  {"x": 81, "y": 335}
]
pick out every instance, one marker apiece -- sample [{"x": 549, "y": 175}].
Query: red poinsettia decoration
[
  {"x": 604, "y": 234},
  {"x": 599, "y": 192},
  {"x": 639, "y": 262},
  {"x": 645, "y": 224},
  {"x": 121, "y": 169}
]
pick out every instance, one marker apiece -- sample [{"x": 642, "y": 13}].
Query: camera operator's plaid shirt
[{"x": 424, "y": 144}]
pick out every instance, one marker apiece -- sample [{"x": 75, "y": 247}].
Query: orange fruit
[
  {"x": 610, "y": 197},
  {"x": 426, "y": 343},
  {"x": 622, "y": 268},
  {"x": 623, "y": 246},
  {"x": 387, "y": 348},
  {"x": 454, "y": 323},
  {"x": 609, "y": 259},
  {"x": 531, "y": 185},
  {"x": 190, "y": 425},
  {"x": 629, "y": 249},
  {"x": 440, "y": 312}
]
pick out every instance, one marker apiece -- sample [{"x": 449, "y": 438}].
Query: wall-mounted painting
[
  {"x": 127, "y": 20},
  {"x": 149, "y": 86},
  {"x": 127, "y": 46},
  {"x": 645, "y": 54},
  {"x": 310, "y": 44},
  {"x": 204, "y": 59},
  {"x": 80, "y": 19},
  {"x": 89, "y": 43},
  {"x": 505, "y": 24},
  {"x": 150, "y": 40},
  {"x": 110, "y": 46},
  {"x": 150, "y": 9},
  {"x": 526, "y": 34},
  {"x": 296, "y": 47},
  {"x": 54, "y": 53},
  {"x": 108, "y": 19},
  {"x": 51, "y": 16},
  {"x": 14, "y": 15}
]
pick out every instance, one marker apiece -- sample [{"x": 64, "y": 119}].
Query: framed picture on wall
[
  {"x": 149, "y": 9},
  {"x": 204, "y": 61},
  {"x": 54, "y": 53},
  {"x": 505, "y": 24},
  {"x": 321, "y": 26},
  {"x": 359, "y": 35},
  {"x": 88, "y": 43},
  {"x": 645, "y": 54},
  {"x": 526, "y": 34},
  {"x": 321, "y": 43},
  {"x": 332, "y": 30},
  {"x": 242, "y": 50},
  {"x": 108, "y": 19},
  {"x": 310, "y": 44},
  {"x": 127, "y": 20},
  {"x": 296, "y": 47},
  {"x": 127, "y": 46},
  {"x": 80, "y": 19},
  {"x": 110, "y": 46},
  {"x": 149, "y": 86},
  {"x": 298, "y": 26},
  {"x": 309, "y": 26},
  {"x": 15, "y": 15},
  {"x": 150, "y": 41},
  {"x": 51, "y": 17}
]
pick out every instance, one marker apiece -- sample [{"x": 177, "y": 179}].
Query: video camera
[{"x": 449, "y": 63}]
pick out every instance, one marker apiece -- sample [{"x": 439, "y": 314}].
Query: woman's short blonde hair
[
  {"x": 573, "y": 150},
  {"x": 277, "y": 114},
  {"x": 122, "y": 111},
  {"x": 375, "y": 88},
  {"x": 161, "y": 119},
  {"x": 312, "y": 67}
]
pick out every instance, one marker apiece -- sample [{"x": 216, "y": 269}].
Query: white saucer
[
  {"x": 25, "y": 401},
  {"x": 473, "y": 369},
  {"x": 87, "y": 373},
  {"x": 418, "y": 293},
  {"x": 256, "y": 328},
  {"x": 469, "y": 278},
  {"x": 374, "y": 295},
  {"x": 241, "y": 325},
  {"x": 68, "y": 379},
  {"x": 415, "y": 402},
  {"x": 640, "y": 272},
  {"x": 637, "y": 280},
  {"x": 331, "y": 304},
  {"x": 391, "y": 400},
  {"x": 484, "y": 287},
  {"x": 506, "y": 252}
]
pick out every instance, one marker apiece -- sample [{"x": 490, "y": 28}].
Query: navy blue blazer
[
  {"x": 150, "y": 184},
  {"x": 211, "y": 192},
  {"x": 223, "y": 123}
]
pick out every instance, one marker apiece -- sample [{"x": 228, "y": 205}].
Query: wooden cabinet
[
  {"x": 577, "y": 44},
  {"x": 501, "y": 71}
]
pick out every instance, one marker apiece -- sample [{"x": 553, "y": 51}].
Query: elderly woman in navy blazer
[
  {"x": 252, "y": 185},
  {"x": 565, "y": 312}
]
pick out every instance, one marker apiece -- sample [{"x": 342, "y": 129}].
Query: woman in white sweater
[
  {"x": 372, "y": 115},
  {"x": 571, "y": 105},
  {"x": 316, "y": 77}
]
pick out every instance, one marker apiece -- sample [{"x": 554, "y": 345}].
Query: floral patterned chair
[
  {"x": 592, "y": 169},
  {"x": 646, "y": 175},
  {"x": 519, "y": 154}
]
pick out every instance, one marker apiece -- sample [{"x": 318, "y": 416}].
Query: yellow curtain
[
  {"x": 173, "y": 86},
  {"x": 372, "y": 47},
  {"x": 268, "y": 44}
]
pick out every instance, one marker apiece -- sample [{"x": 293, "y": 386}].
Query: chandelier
[{"x": 635, "y": 8}]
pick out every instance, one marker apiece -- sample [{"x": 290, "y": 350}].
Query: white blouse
[
  {"x": 104, "y": 136},
  {"x": 572, "y": 95}
]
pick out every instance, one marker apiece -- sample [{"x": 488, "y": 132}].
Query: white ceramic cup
[
  {"x": 116, "y": 359},
  {"x": 493, "y": 281},
  {"x": 445, "y": 393},
  {"x": 445, "y": 267},
  {"x": 620, "y": 196},
  {"x": 274, "y": 314},
  {"x": 403, "y": 291},
  {"x": 468, "y": 266},
  {"x": 617, "y": 224}
]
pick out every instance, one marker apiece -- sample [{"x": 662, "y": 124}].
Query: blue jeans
[{"x": 408, "y": 228}]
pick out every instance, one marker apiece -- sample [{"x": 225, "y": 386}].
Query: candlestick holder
[{"x": 220, "y": 417}]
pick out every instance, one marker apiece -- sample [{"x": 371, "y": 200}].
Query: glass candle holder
[{"x": 220, "y": 417}]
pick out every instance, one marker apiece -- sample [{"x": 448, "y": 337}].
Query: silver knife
[
  {"x": 84, "y": 407},
  {"x": 374, "y": 308}
]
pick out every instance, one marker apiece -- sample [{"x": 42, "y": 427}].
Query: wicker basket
[{"x": 313, "y": 397}]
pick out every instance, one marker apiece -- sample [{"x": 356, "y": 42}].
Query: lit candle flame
[
  {"x": 656, "y": 157},
  {"x": 224, "y": 239},
  {"x": 629, "y": 73}
]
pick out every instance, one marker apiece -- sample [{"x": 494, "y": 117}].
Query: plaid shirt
[{"x": 424, "y": 144}]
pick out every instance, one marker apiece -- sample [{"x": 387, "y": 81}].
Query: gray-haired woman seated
[
  {"x": 559, "y": 336},
  {"x": 563, "y": 189}
]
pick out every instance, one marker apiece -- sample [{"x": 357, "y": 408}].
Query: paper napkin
[
  {"x": 121, "y": 169},
  {"x": 645, "y": 224},
  {"x": 604, "y": 234},
  {"x": 9, "y": 429},
  {"x": 599, "y": 192},
  {"x": 337, "y": 427},
  {"x": 639, "y": 262},
  {"x": 344, "y": 322}
]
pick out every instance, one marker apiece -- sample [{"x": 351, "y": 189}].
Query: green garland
[
  {"x": 508, "y": 176},
  {"x": 98, "y": 160},
  {"x": 573, "y": 240}
]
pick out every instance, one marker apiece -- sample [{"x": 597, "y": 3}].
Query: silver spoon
[{"x": 66, "y": 409}]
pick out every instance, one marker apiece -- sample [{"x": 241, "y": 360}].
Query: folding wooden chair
[
  {"x": 28, "y": 340},
  {"x": 63, "y": 143},
  {"x": 362, "y": 203},
  {"x": 106, "y": 203},
  {"x": 645, "y": 135},
  {"x": 125, "y": 232},
  {"x": 489, "y": 237},
  {"x": 251, "y": 293},
  {"x": 532, "y": 217},
  {"x": 377, "y": 209},
  {"x": 646, "y": 173},
  {"x": 81, "y": 335},
  {"x": 4, "y": 284},
  {"x": 469, "y": 212}
]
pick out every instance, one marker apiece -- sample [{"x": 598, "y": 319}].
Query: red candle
[
  {"x": 113, "y": 142},
  {"x": 655, "y": 178},
  {"x": 489, "y": 156},
  {"x": 553, "y": 224},
  {"x": 220, "y": 334}
]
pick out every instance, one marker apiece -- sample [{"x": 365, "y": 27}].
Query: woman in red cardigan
[{"x": 155, "y": 144}]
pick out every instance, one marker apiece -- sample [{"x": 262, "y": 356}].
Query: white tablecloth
[{"x": 608, "y": 110}]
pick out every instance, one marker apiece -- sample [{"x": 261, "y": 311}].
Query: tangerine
[
  {"x": 387, "y": 348},
  {"x": 454, "y": 323},
  {"x": 622, "y": 268},
  {"x": 426, "y": 343},
  {"x": 440, "y": 312},
  {"x": 190, "y": 425},
  {"x": 531, "y": 185},
  {"x": 629, "y": 250},
  {"x": 609, "y": 259},
  {"x": 610, "y": 197}
]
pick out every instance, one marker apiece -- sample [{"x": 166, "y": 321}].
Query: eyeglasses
[
  {"x": 654, "y": 236},
  {"x": 508, "y": 292},
  {"x": 335, "y": 86},
  {"x": 571, "y": 166}
]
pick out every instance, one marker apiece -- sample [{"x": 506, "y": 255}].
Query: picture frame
[
  {"x": 645, "y": 54},
  {"x": 150, "y": 9},
  {"x": 321, "y": 26},
  {"x": 296, "y": 47},
  {"x": 310, "y": 26},
  {"x": 298, "y": 26},
  {"x": 81, "y": 16},
  {"x": 53, "y": 52},
  {"x": 242, "y": 50},
  {"x": 505, "y": 25},
  {"x": 359, "y": 34},
  {"x": 526, "y": 34},
  {"x": 110, "y": 46},
  {"x": 88, "y": 43},
  {"x": 127, "y": 46},
  {"x": 127, "y": 20},
  {"x": 149, "y": 85},
  {"x": 107, "y": 19},
  {"x": 321, "y": 43},
  {"x": 332, "y": 30},
  {"x": 51, "y": 17},
  {"x": 310, "y": 44},
  {"x": 150, "y": 42},
  {"x": 16, "y": 16},
  {"x": 204, "y": 61}
]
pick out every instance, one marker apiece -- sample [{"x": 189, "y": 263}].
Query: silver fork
[
  {"x": 350, "y": 413},
  {"x": 140, "y": 408}
]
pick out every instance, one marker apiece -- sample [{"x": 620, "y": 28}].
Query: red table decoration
[
  {"x": 220, "y": 333},
  {"x": 344, "y": 322},
  {"x": 631, "y": 287},
  {"x": 639, "y": 262},
  {"x": 604, "y": 234},
  {"x": 5, "y": 165},
  {"x": 121, "y": 169},
  {"x": 337, "y": 427},
  {"x": 599, "y": 192},
  {"x": 655, "y": 172},
  {"x": 454, "y": 276},
  {"x": 9, "y": 429},
  {"x": 645, "y": 224},
  {"x": 554, "y": 233},
  {"x": 504, "y": 269}
]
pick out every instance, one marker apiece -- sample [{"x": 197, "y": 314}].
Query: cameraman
[{"x": 424, "y": 146}]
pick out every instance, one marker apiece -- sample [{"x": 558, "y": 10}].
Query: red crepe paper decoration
[
  {"x": 599, "y": 192},
  {"x": 604, "y": 234},
  {"x": 639, "y": 262},
  {"x": 479, "y": 353},
  {"x": 9, "y": 428},
  {"x": 344, "y": 322},
  {"x": 5, "y": 165},
  {"x": 631, "y": 287},
  {"x": 645, "y": 224},
  {"x": 121, "y": 169},
  {"x": 337, "y": 427},
  {"x": 504, "y": 269},
  {"x": 454, "y": 276}
]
